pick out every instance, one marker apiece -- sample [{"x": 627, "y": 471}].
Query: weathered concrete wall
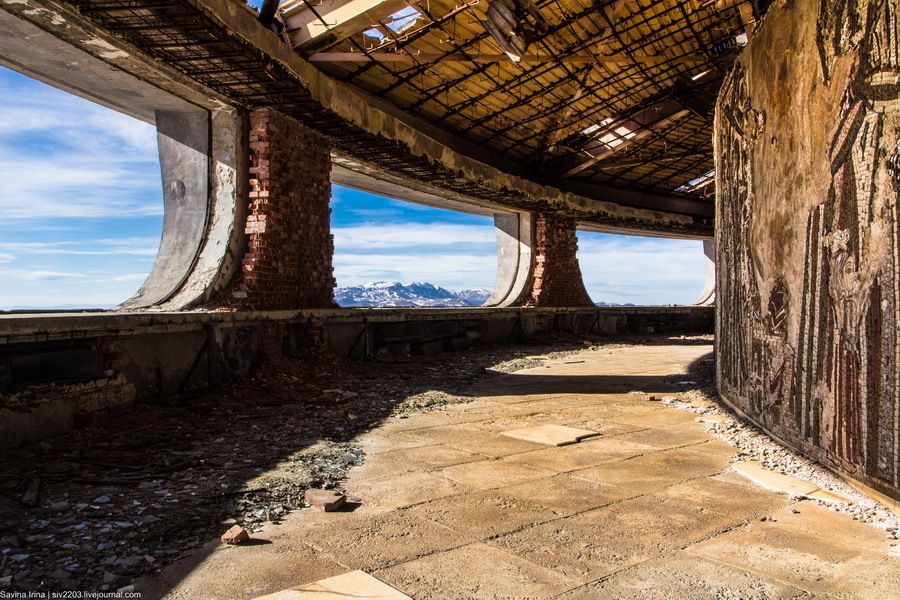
[
  {"x": 290, "y": 247},
  {"x": 556, "y": 278},
  {"x": 57, "y": 369},
  {"x": 808, "y": 164}
]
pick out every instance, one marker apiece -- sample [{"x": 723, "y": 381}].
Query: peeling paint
[{"x": 109, "y": 51}]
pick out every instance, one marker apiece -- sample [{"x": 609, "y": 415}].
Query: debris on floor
[
  {"x": 754, "y": 445},
  {"x": 327, "y": 500},
  {"x": 235, "y": 535},
  {"x": 138, "y": 487}
]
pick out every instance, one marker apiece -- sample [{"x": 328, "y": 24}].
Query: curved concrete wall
[{"x": 808, "y": 294}]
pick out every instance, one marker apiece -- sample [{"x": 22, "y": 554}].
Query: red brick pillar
[
  {"x": 556, "y": 281},
  {"x": 289, "y": 246}
]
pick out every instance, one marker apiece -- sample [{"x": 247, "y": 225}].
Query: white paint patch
[
  {"x": 111, "y": 51},
  {"x": 54, "y": 18},
  {"x": 114, "y": 54}
]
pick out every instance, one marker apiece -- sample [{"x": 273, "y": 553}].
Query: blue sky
[{"x": 81, "y": 217}]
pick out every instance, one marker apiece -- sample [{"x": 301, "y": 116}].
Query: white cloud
[
  {"x": 72, "y": 158},
  {"x": 448, "y": 270},
  {"x": 50, "y": 299},
  {"x": 626, "y": 269},
  {"x": 134, "y": 247},
  {"x": 6, "y": 257},
  {"x": 410, "y": 235},
  {"x": 77, "y": 186},
  {"x": 25, "y": 275},
  {"x": 140, "y": 277},
  {"x": 43, "y": 109}
]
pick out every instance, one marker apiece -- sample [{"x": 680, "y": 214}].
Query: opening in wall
[
  {"x": 82, "y": 209},
  {"x": 642, "y": 271},
  {"x": 394, "y": 253}
]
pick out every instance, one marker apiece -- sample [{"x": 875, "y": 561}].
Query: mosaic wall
[{"x": 808, "y": 169}]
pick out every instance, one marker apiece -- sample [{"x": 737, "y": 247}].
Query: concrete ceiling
[{"x": 605, "y": 114}]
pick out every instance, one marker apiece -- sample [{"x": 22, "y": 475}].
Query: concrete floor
[{"x": 451, "y": 509}]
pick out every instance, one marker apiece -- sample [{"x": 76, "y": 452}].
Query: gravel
[{"x": 753, "y": 444}]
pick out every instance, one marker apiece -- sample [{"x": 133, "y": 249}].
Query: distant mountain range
[
  {"x": 370, "y": 295},
  {"x": 394, "y": 293}
]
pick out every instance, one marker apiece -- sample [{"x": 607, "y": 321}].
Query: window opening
[
  {"x": 624, "y": 270},
  {"x": 81, "y": 213},
  {"x": 394, "y": 253}
]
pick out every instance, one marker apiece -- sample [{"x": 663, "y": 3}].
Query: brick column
[
  {"x": 556, "y": 280},
  {"x": 289, "y": 247}
]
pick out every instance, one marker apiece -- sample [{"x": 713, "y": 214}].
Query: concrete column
[
  {"x": 515, "y": 238},
  {"x": 556, "y": 278},
  {"x": 183, "y": 139},
  {"x": 708, "y": 295},
  {"x": 224, "y": 242}
]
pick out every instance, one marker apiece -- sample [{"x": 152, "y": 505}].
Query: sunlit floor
[{"x": 650, "y": 508}]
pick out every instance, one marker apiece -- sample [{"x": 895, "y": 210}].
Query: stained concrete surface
[{"x": 450, "y": 509}]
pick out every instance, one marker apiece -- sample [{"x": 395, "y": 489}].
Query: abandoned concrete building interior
[{"x": 539, "y": 446}]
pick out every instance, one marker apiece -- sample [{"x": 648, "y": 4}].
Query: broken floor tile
[
  {"x": 772, "y": 480},
  {"x": 358, "y": 585},
  {"x": 553, "y": 435}
]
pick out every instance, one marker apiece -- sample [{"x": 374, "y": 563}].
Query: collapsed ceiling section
[{"x": 618, "y": 93}]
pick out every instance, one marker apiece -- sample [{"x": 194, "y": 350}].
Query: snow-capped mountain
[
  {"x": 474, "y": 297},
  {"x": 394, "y": 293}
]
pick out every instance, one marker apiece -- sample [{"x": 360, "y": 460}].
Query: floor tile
[
  {"x": 810, "y": 562},
  {"x": 485, "y": 514},
  {"x": 651, "y": 472},
  {"x": 602, "y": 541},
  {"x": 477, "y": 572},
  {"x": 489, "y": 474},
  {"x": 567, "y": 495},
  {"x": 683, "y": 577},
  {"x": 355, "y": 584},
  {"x": 551, "y": 435}
]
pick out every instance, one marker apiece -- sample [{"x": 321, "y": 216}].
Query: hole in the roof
[
  {"x": 617, "y": 136},
  {"x": 402, "y": 20},
  {"x": 374, "y": 34},
  {"x": 698, "y": 183}
]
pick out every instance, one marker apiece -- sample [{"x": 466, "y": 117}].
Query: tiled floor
[{"x": 451, "y": 508}]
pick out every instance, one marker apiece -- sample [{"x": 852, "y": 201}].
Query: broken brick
[
  {"x": 327, "y": 500},
  {"x": 235, "y": 535}
]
